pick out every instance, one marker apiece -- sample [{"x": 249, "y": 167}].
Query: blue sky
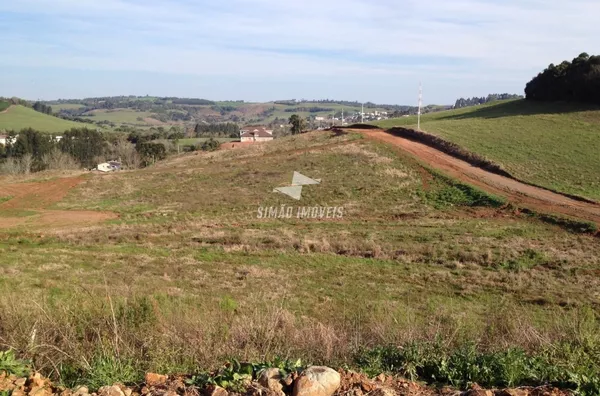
[{"x": 260, "y": 50}]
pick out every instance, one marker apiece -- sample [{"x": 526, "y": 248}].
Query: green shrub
[
  {"x": 11, "y": 365},
  {"x": 210, "y": 145},
  {"x": 568, "y": 366}
]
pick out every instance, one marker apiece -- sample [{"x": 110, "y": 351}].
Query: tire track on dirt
[{"x": 524, "y": 195}]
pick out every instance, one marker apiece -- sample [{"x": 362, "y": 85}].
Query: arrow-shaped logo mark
[{"x": 295, "y": 189}]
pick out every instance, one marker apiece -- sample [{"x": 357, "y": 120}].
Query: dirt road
[
  {"x": 28, "y": 202},
  {"x": 524, "y": 195}
]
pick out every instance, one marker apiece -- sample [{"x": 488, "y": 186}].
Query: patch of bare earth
[
  {"x": 36, "y": 197},
  {"x": 524, "y": 195}
]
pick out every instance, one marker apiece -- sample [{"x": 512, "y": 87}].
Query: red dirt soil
[
  {"x": 36, "y": 197},
  {"x": 521, "y": 194}
]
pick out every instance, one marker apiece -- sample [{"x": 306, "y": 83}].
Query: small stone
[
  {"x": 381, "y": 377},
  {"x": 367, "y": 386},
  {"x": 20, "y": 383},
  {"x": 513, "y": 392},
  {"x": 271, "y": 379},
  {"x": 114, "y": 390},
  {"x": 383, "y": 392},
  {"x": 289, "y": 380},
  {"x": 81, "y": 391},
  {"x": 37, "y": 380},
  {"x": 18, "y": 392},
  {"x": 478, "y": 392},
  {"x": 40, "y": 391},
  {"x": 153, "y": 379},
  {"x": 216, "y": 391},
  {"x": 128, "y": 392},
  {"x": 317, "y": 381}
]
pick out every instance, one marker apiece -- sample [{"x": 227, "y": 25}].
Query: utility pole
[
  {"x": 420, "y": 104},
  {"x": 342, "y": 116},
  {"x": 362, "y": 114}
]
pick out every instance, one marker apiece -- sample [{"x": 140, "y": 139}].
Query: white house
[
  {"x": 109, "y": 166},
  {"x": 5, "y": 139},
  {"x": 255, "y": 134}
]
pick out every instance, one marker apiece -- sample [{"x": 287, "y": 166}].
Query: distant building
[
  {"x": 256, "y": 134},
  {"x": 319, "y": 118},
  {"x": 110, "y": 166},
  {"x": 5, "y": 139}
]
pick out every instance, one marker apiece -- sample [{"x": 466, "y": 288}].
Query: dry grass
[{"x": 189, "y": 276}]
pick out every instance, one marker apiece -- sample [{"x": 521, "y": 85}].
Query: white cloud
[{"x": 429, "y": 39}]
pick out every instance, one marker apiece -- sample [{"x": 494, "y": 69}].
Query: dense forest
[
  {"x": 227, "y": 129},
  {"x": 42, "y": 108},
  {"x": 474, "y": 101},
  {"x": 576, "y": 81}
]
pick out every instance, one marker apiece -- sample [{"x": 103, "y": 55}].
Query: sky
[{"x": 262, "y": 50}]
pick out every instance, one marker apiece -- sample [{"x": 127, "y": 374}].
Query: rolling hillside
[
  {"x": 187, "y": 246},
  {"x": 553, "y": 145},
  {"x": 19, "y": 117}
]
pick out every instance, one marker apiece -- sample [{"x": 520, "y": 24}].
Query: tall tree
[
  {"x": 84, "y": 145},
  {"x": 298, "y": 124}
]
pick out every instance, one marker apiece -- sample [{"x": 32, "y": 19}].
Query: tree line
[
  {"x": 226, "y": 129},
  {"x": 42, "y": 108},
  {"x": 474, "y": 101},
  {"x": 576, "y": 81},
  {"x": 33, "y": 151}
]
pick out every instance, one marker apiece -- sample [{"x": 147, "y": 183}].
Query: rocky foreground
[{"x": 314, "y": 381}]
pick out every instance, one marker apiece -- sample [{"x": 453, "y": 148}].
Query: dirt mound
[{"x": 524, "y": 195}]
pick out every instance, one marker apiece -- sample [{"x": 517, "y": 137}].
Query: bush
[
  {"x": 11, "y": 365},
  {"x": 210, "y": 145},
  {"x": 57, "y": 160}
]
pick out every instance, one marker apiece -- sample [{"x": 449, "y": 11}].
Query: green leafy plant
[
  {"x": 233, "y": 376},
  {"x": 11, "y": 365}
]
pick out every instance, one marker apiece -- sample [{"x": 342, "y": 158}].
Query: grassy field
[
  {"x": 190, "y": 274},
  {"x": 552, "y": 145},
  {"x": 19, "y": 117},
  {"x": 121, "y": 116},
  {"x": 65, "y": 106}
]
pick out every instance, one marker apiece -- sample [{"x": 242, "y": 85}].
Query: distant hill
[
  {"x": 20, "y": 117},
  {"x": 554, "y": 145}
]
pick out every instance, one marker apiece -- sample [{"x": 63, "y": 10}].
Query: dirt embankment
[
  {"x": 27, "y": 203},
  {"x": 522, "y": 194},
  {"x": 343, "y": 383}
]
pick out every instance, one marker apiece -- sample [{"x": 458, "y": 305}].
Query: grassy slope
[
  {"x": 553, "y": 145},
  {"x": 194, "y": 276},
  {"x": 19, "y": 117},
  {"x": 120, "y": 116}
]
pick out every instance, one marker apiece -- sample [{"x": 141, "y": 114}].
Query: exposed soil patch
[
  {"x": 28, "y": 202},
  {"x": 525, "y": 195}
]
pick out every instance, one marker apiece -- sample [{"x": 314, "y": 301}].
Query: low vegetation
[{"x": 188, "y": 276}]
